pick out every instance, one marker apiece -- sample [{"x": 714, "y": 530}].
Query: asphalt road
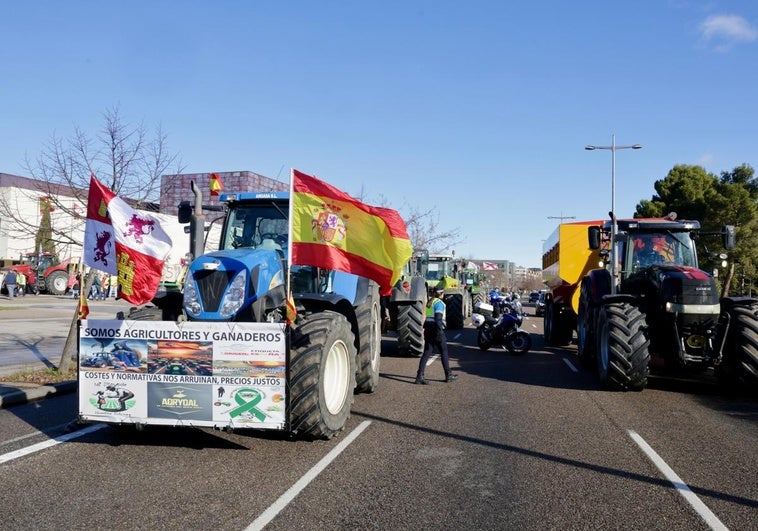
[
  {"x": 35, "y": 328},
  {"x": 526, "y": 442}
]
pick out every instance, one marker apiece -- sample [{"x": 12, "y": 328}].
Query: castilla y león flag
[
  {"x": 121, "y": 241},
  {"x": 332, "y": 230}
]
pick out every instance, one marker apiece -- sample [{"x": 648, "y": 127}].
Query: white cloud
[{"x": 725, "y": 30}]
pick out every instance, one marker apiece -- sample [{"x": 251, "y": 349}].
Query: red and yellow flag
[
  {"x": 291, "y": 309},
  {"x": 83, "y": 306},
  {"x": 216, "y": 185},
  {"x": 332, "y": 230}
]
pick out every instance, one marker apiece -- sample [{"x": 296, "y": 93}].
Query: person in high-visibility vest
[{"x": 434, "y": 336}]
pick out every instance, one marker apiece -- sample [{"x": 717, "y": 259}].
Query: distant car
[
  {"x": 540, "y": 310},
  {"x": 534, "y": 296}
]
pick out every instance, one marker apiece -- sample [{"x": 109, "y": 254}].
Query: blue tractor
[{"x": 334, "y": 343}]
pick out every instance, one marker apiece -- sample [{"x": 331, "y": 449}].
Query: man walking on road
[
  {"x": 434, "y": 337},
  {"x": 10, "y": 283}
]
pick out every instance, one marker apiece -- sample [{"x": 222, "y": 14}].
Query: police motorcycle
[{"x": 501, "y": 331}]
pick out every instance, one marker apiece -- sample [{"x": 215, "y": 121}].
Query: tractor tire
[
  {"x": 322, "y": 375},
  {"x": 623, "y": 348},
  {"x": 368, "y": 315},
  {"x": 454, "y": 311},
  {"x": 57, "y": 283},
  {"x": 410, "y": 329},
  {"x": 740, "y": 366},
  {"x": 585, "y": 327}
]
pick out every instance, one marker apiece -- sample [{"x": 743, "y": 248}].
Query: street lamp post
[{"x": 614, "y": 226}]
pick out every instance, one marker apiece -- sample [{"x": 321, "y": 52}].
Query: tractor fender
[
  {"x": 320, "y": 302},
  {"x": 600, "y": 284},
  {"x": 729, "y": 302},
  {"x": 619, "y": 297}
]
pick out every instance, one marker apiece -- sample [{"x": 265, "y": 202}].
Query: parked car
[{"x": 534, "y": 296}]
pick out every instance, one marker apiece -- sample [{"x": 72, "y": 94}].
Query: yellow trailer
[{"x": 566, "y": 259}]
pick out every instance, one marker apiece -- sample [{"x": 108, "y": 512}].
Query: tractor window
[
  {"x": 662, "y": 248},
  {"x": 260, "y": 226},
  {"x": 434, "y": 272}
]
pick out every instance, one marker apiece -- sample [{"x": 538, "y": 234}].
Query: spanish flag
[
  {"x": 291, "y": 310},
  {"x": 332, "y": 230},
  {"x": 216, "y": 184},
  {"x": 83, "y": 306}
]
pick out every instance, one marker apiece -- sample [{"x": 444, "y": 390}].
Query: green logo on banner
[{"x": 247, "y": 399}]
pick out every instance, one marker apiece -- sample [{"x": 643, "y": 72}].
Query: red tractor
[{"x": 45, "y": 273}]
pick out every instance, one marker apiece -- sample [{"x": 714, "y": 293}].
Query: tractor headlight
[
  {"x": 235, "y": 295},
  {"x": 191, "y": 302}
]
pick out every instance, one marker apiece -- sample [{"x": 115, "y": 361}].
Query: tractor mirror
[
  {"x": 593, "y": 235},
  {"x": 185, "y": 212},
  {"x": 729, "y": 236}
]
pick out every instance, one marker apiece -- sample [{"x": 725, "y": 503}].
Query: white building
[{"x": 20, "y": 215}]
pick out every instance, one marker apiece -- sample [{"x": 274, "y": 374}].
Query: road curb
[{"x": 12, "y": 395}]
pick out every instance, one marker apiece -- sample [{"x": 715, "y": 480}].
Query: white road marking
[
  {"x": 432, "y": 359},
  {"x": 33, "y": 434},
  {"x": 4, "y": 458},
  {"x": 697, "y": 504},
  {"x": 277, "y": 507},
  {"x": 570, "y": 365}
]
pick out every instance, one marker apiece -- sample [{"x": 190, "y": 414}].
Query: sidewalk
[
  {"x": 15, "y": 393},
  {"x": 35, "y": 329}
]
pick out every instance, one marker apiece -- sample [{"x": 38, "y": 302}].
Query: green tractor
[
  {"x": 444, "y": 271},
  {"x": 474, "y": 282},
  {"x": 404, "y": 309}
]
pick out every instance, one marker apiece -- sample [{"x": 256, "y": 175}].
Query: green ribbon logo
[{"x": 248, "y": 405}]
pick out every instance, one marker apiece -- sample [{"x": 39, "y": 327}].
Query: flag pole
[
  {"x": 290, "y": 309},
  {"x": 71, "y": 346}
]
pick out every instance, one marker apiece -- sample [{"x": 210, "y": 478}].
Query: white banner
[{"x": 189, "y": 373}]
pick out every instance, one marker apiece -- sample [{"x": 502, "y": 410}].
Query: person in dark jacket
[
  {"x": 10, "y": 283},
  {"x": 434, "y": 338}
]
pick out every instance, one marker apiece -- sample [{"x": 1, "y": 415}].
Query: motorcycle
[{"x": 502, "y": 331}]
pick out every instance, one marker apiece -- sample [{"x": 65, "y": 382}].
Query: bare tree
[
  {"x": 126, "y": 158},
  {"x": 426, "y": 232},
  {"x": 424, "y": 228}
]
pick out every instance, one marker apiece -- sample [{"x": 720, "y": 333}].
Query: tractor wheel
[
  {"x": 369, "y": 329},
  {"x": 410, "y": 329},
  {"x": 622, "y": 348},
  {"x": 454, "y": 311},
  {"x": 740, "y": 366},
  {"x": 322, "y": 375},
  {"x": 57, "y": 283},
  {"x": 585, "y": 327}
]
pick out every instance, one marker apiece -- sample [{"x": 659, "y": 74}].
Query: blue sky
[{"x": 480, "y": 110}]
